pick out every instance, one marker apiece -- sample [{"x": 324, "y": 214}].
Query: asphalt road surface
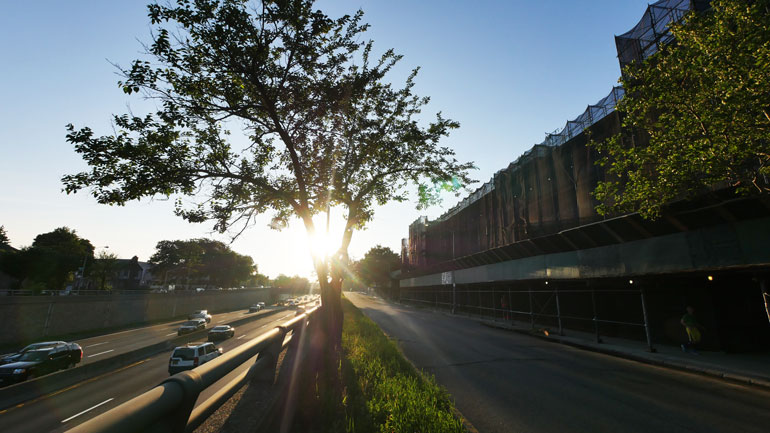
[
  {"x": 508, "y": 382},
  {"x": 107, "y": 345},
  {"x": 64, "y": 409},
  {"x": 104, "y": 346}
]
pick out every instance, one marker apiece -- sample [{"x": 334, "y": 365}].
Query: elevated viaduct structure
[{"x": 529, "y": 245}]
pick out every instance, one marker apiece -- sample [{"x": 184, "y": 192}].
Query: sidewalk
[{"x": 745, "y": 368}]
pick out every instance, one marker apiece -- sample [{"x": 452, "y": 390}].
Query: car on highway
[
  {"x": 221, "y": 332},
  {"x": 300, "y": 310},
  {"x": 200, "y": 314},
  {"x": 41, "y": 361},
  {"x": 190, "y": 356},
  {"x": 13, "y": 357},
  {"x": 191, "y": 326},
  {"x": 255, "y": 307}
]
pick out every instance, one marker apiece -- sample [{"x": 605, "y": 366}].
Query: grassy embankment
[{"x": 374, "y": 389}]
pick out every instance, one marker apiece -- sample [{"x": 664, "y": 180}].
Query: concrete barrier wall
[{"x": 25, "y": 319}]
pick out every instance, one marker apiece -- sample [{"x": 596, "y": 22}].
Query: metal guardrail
[{"x": 170, "y": 406}]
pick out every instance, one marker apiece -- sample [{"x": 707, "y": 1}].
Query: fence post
[
  {"x": 558, "y": 312},
  {"x": 509, "y": 314},
  {"x": 494, "y": 304},
  {"x": 531, "y": 309},
  {"x": 765, "y": 295},
  {"x": 595, "y": 319},
  {"x": 454, "y": 297},
  {"x": 646, "y": 321}
]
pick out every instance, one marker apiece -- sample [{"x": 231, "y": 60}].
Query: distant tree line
[
  {"x": 49, "y": 263},
  {"x": 61, "y": 258}
]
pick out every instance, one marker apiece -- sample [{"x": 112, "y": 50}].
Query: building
[{"x": 529, "y": 244}]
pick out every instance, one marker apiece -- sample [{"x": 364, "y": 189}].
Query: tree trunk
[{"x": 331, "y": 312}]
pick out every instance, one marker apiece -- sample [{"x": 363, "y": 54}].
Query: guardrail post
[
  {"x": 558, "y": 312},
  {"x": 271, "y": 356},
  {"x": 646, "y": 321},
  {"x": 190, "y": 382}
]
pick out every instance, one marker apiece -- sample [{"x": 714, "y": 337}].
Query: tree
[
  {"x": 201, "y": 260},
  {"x": 375, "y": 268},
  {"x": 703, "y": 103},
  {"x": 103, "y": 268},
  {"x": 4, "y": 239},
  {"x": 295, "y": 284},
  {"x": 324, "y": 127},
  {"x": 51, "y": 260},
  {"x": 257, "y": 279}
]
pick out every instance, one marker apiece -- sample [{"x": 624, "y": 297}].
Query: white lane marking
[
  {"x": 240, "y": 337},
  {"x": 89, "y": 409},
  {"x": 101, "y": 353},
  {"x": 173, "y": 333},
  {"x": 220, "y": 322},
  {"x": 97, "y": 344}
]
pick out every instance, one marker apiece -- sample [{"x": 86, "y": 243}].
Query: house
[{"x": 131, "y": 274}]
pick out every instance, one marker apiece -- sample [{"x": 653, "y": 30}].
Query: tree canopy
[
  {"x": 51, "y": 261},
  {"x": 703, "y": 102},
  {"x": 323, "y": 124},
  {"x": 4, "y": 239},
  {"x": 103, "y": 269},
  {"x": 375, "y": 268},
  {"x": 201, "y": 261},
  {"x": 295, "y": 284}
]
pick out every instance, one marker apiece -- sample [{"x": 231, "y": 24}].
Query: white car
[
  {"x": 200, "y": 314},
  {"x": 191, "y": 326},
  {"x": 190, "y": 356},
  {"x": 221, "y": 332}
]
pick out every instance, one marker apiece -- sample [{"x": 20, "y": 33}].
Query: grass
[{"x": 374, "y": 388}]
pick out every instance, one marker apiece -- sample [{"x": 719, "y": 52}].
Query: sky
[{"x": 509, "y": 71}]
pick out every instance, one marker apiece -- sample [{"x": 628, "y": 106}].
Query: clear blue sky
[{"x": 509, "y": 71}]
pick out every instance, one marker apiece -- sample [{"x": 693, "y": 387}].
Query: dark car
[
  {"x": 13, "y": 357},
  {"x": 41, "y": 361},
  {"x": 254, "y": 308}
]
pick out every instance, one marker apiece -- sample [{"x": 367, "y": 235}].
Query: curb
[
  {"x": 703, "y": 371},
  {"x": 19, "y": 393}
]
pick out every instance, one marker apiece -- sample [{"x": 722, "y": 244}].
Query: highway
[
  {"x": 96, "y": 348},
  {"x": 507, "y": 382},
  {"x": 106, "y": 345},
  {"x": 63, "y": 409}
]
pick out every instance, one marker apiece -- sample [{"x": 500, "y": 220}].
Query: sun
[{"x": 322, "y": 245}]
